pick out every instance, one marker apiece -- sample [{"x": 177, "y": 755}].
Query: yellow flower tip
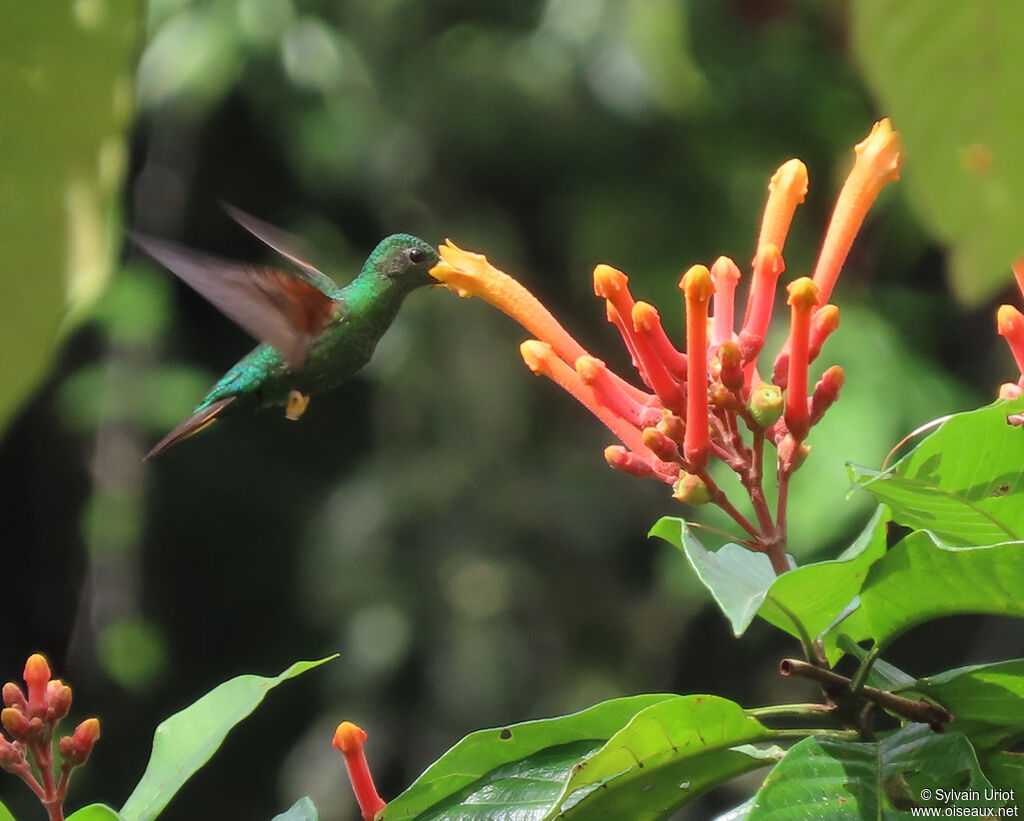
[
  {"x": 769, "y": 261},
  {"x": 1010, "y": 390},
  {"x": 537, "y": 355},
  {"x": 608, "y": 281},
  {"x": 1009, "y": 320},
  {"x": 589, "y": 369},
  {"x": 348, "y": 738},
  {"x": 697, "y": 284},
  {"x": 803, "y": 294},
  {"x": 790, "y": 182},
  {"x": 729, "y": 354},
  {"x": 724, "y": 271},
  {"x": 467, "y": 273},
  {"x": 881, "y": 152},
  {"x": 615, "y": 455},
  {"x": 645, "y": 318},
  {"x": 827, "y": 318}
]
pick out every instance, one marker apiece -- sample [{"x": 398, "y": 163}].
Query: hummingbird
[{"x": 313, "y": 335}]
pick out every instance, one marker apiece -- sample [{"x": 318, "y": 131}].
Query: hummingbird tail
[{"x": 191, "y": 426}]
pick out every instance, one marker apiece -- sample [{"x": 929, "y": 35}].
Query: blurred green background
[{"x": 445, "y": 520}]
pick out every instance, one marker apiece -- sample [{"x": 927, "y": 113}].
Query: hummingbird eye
[{"x": 416, "y": 255}]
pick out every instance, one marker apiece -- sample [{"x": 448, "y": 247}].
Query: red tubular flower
[
  {"x": 697, "y": 289},
  {"x": 349, "y": 738},
  {"x": 625, "y": 460},
  {"x": 541, "y": 359},
  {"x": 647, "y": 323},
  {"x": 725, "y": 275},
  {"x": 803, "y": 299},
  {"x": 824, "y": 321},
  {"x": 613, "y": 285},
  {"x": 767, "y": 267},
  {"x": 594, "y": 373}
]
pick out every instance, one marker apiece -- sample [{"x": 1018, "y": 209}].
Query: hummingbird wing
[
  {"x": 282, "y": 309},
  {"x": 290, "y": 247}
]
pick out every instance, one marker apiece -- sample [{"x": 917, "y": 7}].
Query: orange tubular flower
[
  {"x": 469, "y": 274},
  {"x": 786, "y": 191},
  {"x": 724, "y": 274},
  {"x": 541, "y": 359},
  {"x": 878, "y": 162},
  {"x": 697, "y": 288},
  {"x": 349, "y": 738},
  {"x": 803, "y": 299}
]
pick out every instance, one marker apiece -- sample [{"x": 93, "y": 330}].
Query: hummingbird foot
[{"x": 296, "y": 406}]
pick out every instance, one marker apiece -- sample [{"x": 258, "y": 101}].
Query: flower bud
[
  {"x": 691, "y": 490},
  {"x": 731, "y": 362},
  {"x": 17, "y": 724},
  {"x": 792, "y": 454},
  {"x": 765, "y": 404},
  {"x": 75, "y": 748},
  {"x": 14, "y": 697},
  {"x": 672, "y": 426},
  {"x": 660, "y": 445}
]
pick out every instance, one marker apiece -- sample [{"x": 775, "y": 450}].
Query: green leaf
[
  {"x": 1006, "y": 772},
  {"x": 736, "y": 577},
  {"x": 921, "y": 579},
  {"x": 5, "y": 814},
  {"x": 94, "y": 812},
  {"x": 987, "y": 700},
  {"x": 522, "y": 767},
  {"x": 60, "y": 183},
  {"x": 828, "y": 778},
  {"x": 963, "y": 482},
  {"x": 948, "y": 73},
  {"x": 802, "y": 602},
  {"x": 666, "y": 756},
  {"x": 186, "y": 740},
  {"x": 302, "y": 810}
]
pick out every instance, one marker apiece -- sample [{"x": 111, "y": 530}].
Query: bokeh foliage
[{"x": 445, "y": 520}]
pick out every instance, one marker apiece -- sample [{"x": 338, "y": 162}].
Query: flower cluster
[
  {"x": 693, "y": 403},
  {"x": 31, "y": 720}
]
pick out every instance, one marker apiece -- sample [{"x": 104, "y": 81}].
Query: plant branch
[{"x": 921, "y": 711}]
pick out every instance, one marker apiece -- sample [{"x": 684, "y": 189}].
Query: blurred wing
[
  {"x": 281, "y": 309},
  {"x": 287, "y": 245}
]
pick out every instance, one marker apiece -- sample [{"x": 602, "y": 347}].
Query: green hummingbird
[{"x": 313, "y": 335}]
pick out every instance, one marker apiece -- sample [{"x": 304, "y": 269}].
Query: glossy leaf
[
  {"x": 736, "y": 577},
  {"x": 803, "y": 602},
  {"x": 664, "y": 758},
  {"x": 948, "y": 73},
  {"x": 964, "y": 482},
  {"x": 302, "y": 810},
  {"x": 921, "y": 578},
  {"x": 987, "y": 699},
  {"x": 186, "y": 740},
  {"x": 94, "y": 812},
  {"x": 835, "y": 779},
  {"x": 523, "y": 767}
]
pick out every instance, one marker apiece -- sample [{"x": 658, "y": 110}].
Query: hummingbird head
[{"x": 404, "y": 258}]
